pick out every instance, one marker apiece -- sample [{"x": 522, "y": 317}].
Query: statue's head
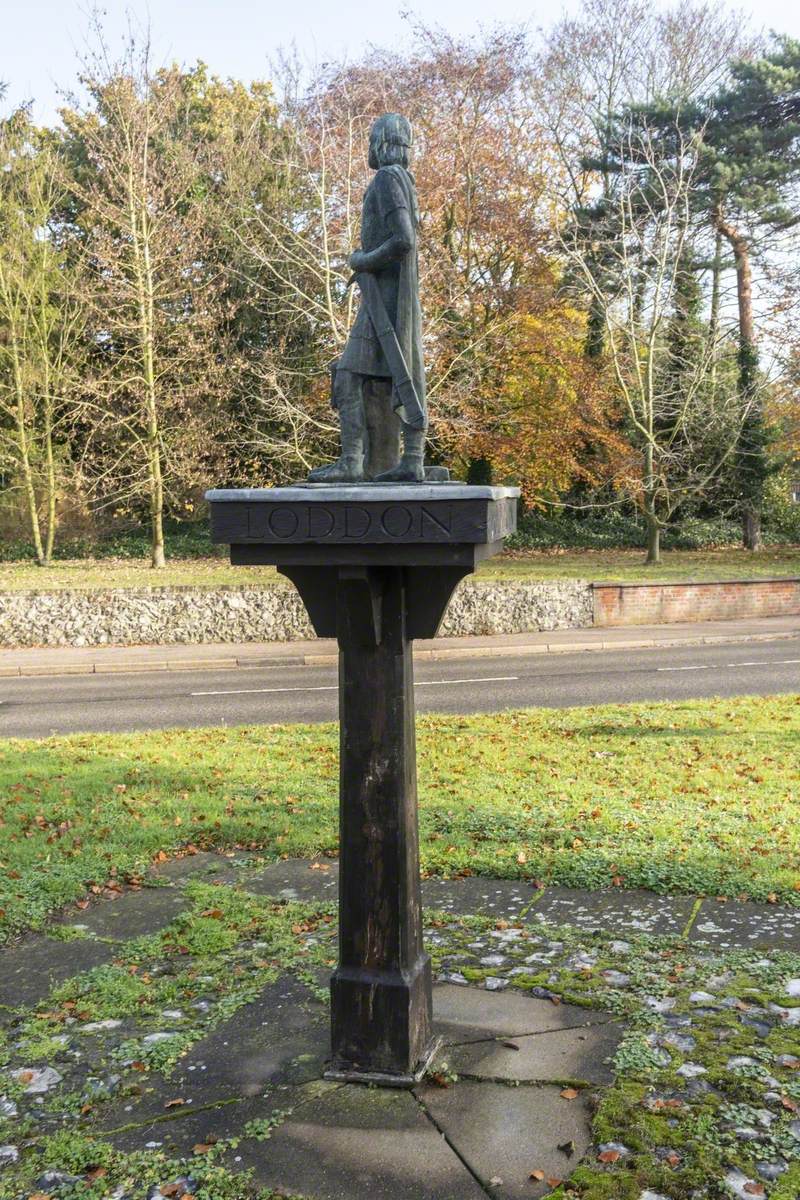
[{"x": 389, "y": 141}]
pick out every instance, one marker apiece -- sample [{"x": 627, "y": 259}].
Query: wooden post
[
  {"x": 381, "y": 989},
  {"x": 375, "y": 568}
]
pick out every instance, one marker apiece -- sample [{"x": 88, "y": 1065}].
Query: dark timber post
[
  {"x": 375, "y": 591},
  {"x": 381, "y": 990}
]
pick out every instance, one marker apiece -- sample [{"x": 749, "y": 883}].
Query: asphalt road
[{"x": 37, "y": 707}]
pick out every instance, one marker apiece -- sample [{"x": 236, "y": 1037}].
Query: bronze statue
[{"x": 381, "y": 367}]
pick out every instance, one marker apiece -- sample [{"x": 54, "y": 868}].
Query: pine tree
[{"x": 752, "y": 142}]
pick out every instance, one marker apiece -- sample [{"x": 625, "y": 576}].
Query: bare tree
[
  {"x": 151, "y": 290},
  {"x": 40, "y": 323},
  {"x": 681, "y": 434}
]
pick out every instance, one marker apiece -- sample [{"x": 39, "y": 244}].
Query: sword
[{"x": 414, "y": 414}]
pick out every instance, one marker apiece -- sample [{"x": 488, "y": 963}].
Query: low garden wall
[
  {"x": 663, "y": 603},
  {"x": 272, "y": 613}
]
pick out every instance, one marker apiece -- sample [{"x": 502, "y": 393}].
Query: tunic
[{"x": 391, "y": 190}]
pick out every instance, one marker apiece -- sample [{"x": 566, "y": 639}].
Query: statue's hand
[{"x": 357, "y": 261}]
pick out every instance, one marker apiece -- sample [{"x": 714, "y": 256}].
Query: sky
[{"x": 43, "y": 38}]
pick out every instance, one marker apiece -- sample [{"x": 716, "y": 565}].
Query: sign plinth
[{"x": 375, "y": 565}]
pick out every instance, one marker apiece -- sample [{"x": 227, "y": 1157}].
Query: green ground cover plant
[
  {"x": 518, "y": 565},
  {"x": 708, "y": 1052},
  {"x": 700, "y": 796}
]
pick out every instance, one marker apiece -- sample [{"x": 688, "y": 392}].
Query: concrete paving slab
[
  {"x": 505, "y": 1133},
  {"x": 31, "y": 969},
  {"x": 564, "y": 1056},
  {"x": 297, "y": 879},
  {"x": 362, "y": 1144},
  {"x": 210, "y": 866},
  {"x": 180, "y": 1130},
  {"x": 478, "y": 896},
  {"x": 615, "y": 911},
  {"x": 738, "y": 924},
  {"x": 281, "y": 1039},
  {"x": 465, "y": 1014},
  {"x": 132, "y": 914}
]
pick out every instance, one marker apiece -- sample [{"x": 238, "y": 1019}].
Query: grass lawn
[
  {"x": 702, "y": 796},
  {"x": 517, "y": 566},
  {"x": 699, "y": 796}
]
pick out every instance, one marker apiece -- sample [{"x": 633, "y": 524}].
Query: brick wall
[{"x": 659, "y": 603}]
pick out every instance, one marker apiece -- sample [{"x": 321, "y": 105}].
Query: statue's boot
[
  {"x": 411, "y": 466},
  {"x": 349, "y": 467}
]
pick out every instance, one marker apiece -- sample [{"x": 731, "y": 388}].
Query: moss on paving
[
  {"x": 695, "y": 797},
  {"x": 521, "y": 566},
  {"x": 680, "y": 1135}
]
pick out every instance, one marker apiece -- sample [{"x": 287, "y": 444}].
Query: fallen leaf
[
  {"x": 202, "y": 1147},
  {"x": 510, "y": 1045},
  {"x": 215, "y": 913},
  {"x": 96, "y": 1173},
  {"x": 174, "y": 1104},
  {"x": 537, "y": 1175},
  {"x": 755, "y": 1189},
  {"x": 568, "y": 1093},
  {"x": 609, "y": 1156},
  {"x": 551, "y": 1181},
  {"x": 567, "y": 1148}
]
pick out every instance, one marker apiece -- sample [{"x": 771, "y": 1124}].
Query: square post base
[
  {"x": 381, "y": 1019},
  {"x": 381, "y": 1025}
]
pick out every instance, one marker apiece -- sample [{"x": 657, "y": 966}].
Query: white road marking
[
  {"x": 707, "y": 667},
  {"x": 335, "y": 687},
  {"x": 260, "y": 691},
  {"x": 481, "y": 679},
  {"x": 763, "y": 662}
]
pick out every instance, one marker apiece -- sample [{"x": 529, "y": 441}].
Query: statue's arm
[{"x": 395, "y": 247}]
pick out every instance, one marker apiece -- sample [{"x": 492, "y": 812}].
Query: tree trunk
[
  {"x": 751, "y": 455},
  {"x": 751, "y": 529},
  {"x": 139, "y": 219},
  {"x": 50, "y": 476},
  {"x": 653, "y": 540},
  {"x": 23, "y": 449},
  {"x": 713, "y": 321},
  {"x": 651, "y": 519}
]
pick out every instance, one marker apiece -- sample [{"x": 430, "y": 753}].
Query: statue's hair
[{"x": 395, "y": 139}]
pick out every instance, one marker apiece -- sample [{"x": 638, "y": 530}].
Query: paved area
[
  {"x": 506, "y": 1111},
  {"x": 279, "y": 693},
  {"x": 99, "y": 660}
]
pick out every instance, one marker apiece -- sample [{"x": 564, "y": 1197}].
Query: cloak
[{"x": 390, "y": 208}]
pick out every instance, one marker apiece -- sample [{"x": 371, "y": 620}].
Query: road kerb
[
  {"x": 140, "y": 666},
  {"x": 132, "y": 666}
]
